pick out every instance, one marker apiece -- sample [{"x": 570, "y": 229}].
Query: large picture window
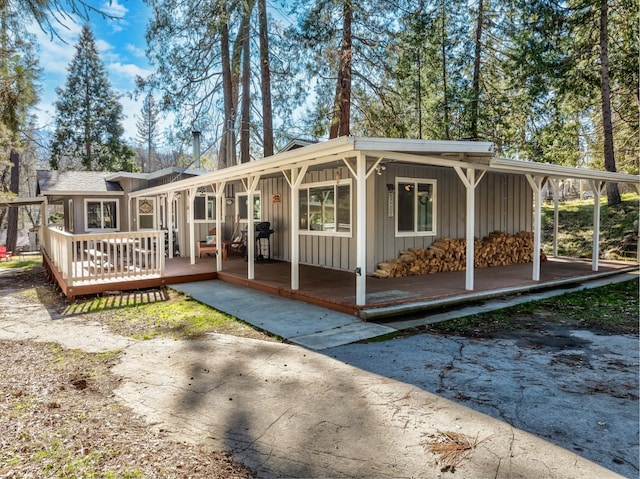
[
  {"x": 326, "y": 208},
  {"x": 415, "y": 207},
  {"x": 101, "y": 214},
  {"x": 242, "y": 207},
  {"x": 204, "y": 208}
]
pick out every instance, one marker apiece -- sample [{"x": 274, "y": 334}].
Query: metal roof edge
[{"x": 560, "y": 171}]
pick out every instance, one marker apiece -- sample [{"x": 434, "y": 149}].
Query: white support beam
[
  {"x": 251, "y": 184},
  {"x": 597, "y": 187},
  {"x": 361, "y": 229},
  {"x": 470, "y": 228},
  {"x": 556, "y": 214},
  {"x": 536, "y": 183},
  {"x": 295, "y": 180},
  {"x": 191, "y": 198},
  {"x": 218, "y": 188},
  {"x": 169, "y": 220}
]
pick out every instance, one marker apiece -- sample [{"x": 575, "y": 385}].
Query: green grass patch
[
  {"x": 612, "y": 308},
  {"x": 17, "y": 263},
  {"x": 575, "y": 228},
  {"x": 159, "y": 313}
]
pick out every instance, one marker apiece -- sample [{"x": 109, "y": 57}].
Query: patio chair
[
  {"x": 5, "y": 254},
  {"x": 207, "y": 246}
]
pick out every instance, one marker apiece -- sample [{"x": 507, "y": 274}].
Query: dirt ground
[{"x": 59, "y": 417}]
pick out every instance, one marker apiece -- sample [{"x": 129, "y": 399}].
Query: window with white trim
[
  {"x": 204, "y": 208},
  {"x": 146, "y": 213},
  {"x": 101, "y": 214},
  {"x": 242, "y": 207},
  {"x": 415, "y": 207},
  {"x": 326, "y": 208}
]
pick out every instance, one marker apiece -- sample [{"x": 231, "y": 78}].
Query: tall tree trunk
[
  {"x": 445, "y": 93},
  {"x": 245, "y": 108},
  {"x": 265, "y": 75},
  {"x": 14, "y": 187},
  {"x": 341, "y": 122},
  {"x": 613, "y": 194},
  {"x": 475, "y": 94},
  {"x": 225, "y": 156}
]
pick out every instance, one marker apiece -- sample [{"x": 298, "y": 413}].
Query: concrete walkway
[
  {"x": 307, "y": 325},
  {"x": 318, "y": 328}
]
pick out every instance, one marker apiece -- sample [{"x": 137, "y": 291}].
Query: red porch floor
[{"x": 386, "y": 297}]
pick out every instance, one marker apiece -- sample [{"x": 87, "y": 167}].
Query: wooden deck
[{"x": 385, "y": 297}]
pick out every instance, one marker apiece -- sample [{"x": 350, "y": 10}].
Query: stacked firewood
[{"x": 446, "y": 254}]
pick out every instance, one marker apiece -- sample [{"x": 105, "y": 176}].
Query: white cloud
[
  {"x": 114, "y": 9},
  {"x": 135, "y": 51},
  {"x": 127, "y": 71}
]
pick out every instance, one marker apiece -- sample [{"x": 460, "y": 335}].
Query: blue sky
[{"x": 121, "y": 45}]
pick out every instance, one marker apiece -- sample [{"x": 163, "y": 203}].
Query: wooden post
[{"x": 361, "y": 230}]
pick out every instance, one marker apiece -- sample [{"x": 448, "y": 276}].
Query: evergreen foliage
[
  {"x": 148, "y": 131},
  {"x": 88, "y": 132}
]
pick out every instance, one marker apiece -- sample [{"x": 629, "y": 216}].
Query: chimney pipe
[{"x": 196, "y": 149}]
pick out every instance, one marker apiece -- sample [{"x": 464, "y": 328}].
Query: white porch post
[
  {"x": 169, "y": 221},
  {"x": 191, "y": 203},
  {"x": 556, "y": 215},
  {"x": 252, "y": 183},
  {"x": 219, "y": 189},
  {"x": 470, "y": 182},
  {"x": 297, "y": 175},
  {"x": 536, "y": 183},
  {"x": 596, "y": 186},
  {"x": 361, "y": 230},
  {"x": 470, "y": 227}
]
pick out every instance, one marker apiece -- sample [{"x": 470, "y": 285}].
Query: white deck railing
[{"x": 105, "y": 257}]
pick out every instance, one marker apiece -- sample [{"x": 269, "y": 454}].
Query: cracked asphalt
[
  {"x": 576, "y": 388},
  {"x": 368, "y": 410}
]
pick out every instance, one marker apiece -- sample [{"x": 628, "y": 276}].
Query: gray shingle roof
[{"x": 76, "y": 181}]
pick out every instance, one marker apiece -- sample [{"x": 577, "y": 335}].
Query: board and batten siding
[{"x": 504, "y": 202}]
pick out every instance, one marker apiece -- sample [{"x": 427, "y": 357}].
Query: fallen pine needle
[{"x": 451, "y": 448}]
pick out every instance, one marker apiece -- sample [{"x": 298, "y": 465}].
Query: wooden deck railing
[{"x": 105, "y": 257}]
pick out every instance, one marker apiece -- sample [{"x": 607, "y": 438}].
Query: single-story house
[{"x": 346, "y": 204}]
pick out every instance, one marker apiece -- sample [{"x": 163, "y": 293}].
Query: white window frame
[
  {"x": 434, "y": 201},
  {"x": 335, "y": 184},
  {"x": 101, "y": 201},
  {"x": 209, "y": 213},
  {"x": 153, "y": 213},
  {"x": 241, "y": 197}
]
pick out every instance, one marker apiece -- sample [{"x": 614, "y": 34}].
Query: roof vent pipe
[{"x": 196, "y": 149}]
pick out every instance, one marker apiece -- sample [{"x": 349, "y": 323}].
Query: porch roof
[{"x": 462, "y": 154}]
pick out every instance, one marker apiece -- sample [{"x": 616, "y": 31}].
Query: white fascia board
[
  {"x": 428, "y": 159},
  {"x": 125, "y": 174},
  {"x": 558, "y": 171},
  {"x": 423, "y": 146},
  {"x": 82, "y": 193}
]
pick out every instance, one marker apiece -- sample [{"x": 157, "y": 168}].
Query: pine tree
[
  {"x": 148, "y": 132},
  {"x": 88, "y": 116},
  {"x": 18, "y": 73}
]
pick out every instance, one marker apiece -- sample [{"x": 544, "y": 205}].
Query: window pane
[
  {"x": 304, "y": 209},
  {"x": 146, "y": 222},
  {"x": 425, "y": 207},
  {"x": 110, "y": 220},
  {"x": 198, "y": 208},
  {"x": 406, "y": 204},
  {"x": 94, "y": 215},
  {"x": 242, "y": 207},
  {"x": 211, "y": 208},
  {"x": 344, "y": 208},
  {"x": 322, "y": 209},
  {"x": 256, "y": 207}
]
